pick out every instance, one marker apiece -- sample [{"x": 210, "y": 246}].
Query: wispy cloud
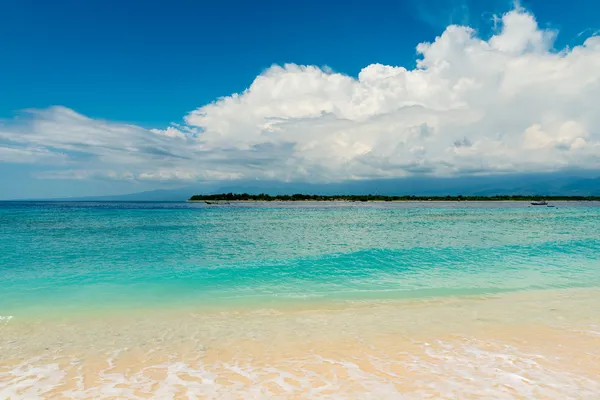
[{"x": 439, "y": 14}]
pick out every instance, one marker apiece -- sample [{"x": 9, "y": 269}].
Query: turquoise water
[{"x": 56, "y": 257}]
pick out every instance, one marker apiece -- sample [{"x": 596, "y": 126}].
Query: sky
[{"x": 107, "y": 97}]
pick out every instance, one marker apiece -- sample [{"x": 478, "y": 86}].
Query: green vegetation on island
[{"x": 370, "y": 197}]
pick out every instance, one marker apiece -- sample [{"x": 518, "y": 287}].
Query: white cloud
[{"x": 506, "y": 104}]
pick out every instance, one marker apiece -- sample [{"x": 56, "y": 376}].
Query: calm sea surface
[{"x": 56, "y": 257}]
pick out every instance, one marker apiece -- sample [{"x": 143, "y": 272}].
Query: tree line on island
[{"x": 371, "y": 197}]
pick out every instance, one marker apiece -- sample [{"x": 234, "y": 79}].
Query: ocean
[{"x": 395, "y": 300}]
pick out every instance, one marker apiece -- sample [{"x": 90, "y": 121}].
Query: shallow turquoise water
[{"x": 57, "y": 257}]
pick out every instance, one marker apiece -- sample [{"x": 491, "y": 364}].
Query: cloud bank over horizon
[{"x": 511, "y": 103}]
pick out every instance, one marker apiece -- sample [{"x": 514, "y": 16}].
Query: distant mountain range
[{"x": 574, "y": 183}]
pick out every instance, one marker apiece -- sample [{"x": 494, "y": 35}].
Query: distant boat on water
[{"x": 539, "y": 203}]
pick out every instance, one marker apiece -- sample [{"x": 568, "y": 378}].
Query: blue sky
[{"x": 148, "y": 64}]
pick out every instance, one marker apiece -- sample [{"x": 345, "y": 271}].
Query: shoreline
[{"x": 282, "y": 305}]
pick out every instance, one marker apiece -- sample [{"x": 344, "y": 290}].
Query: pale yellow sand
[{"x": 542, "y": 345}]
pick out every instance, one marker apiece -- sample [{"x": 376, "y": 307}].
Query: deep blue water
[{"x": 73, "y": 256}]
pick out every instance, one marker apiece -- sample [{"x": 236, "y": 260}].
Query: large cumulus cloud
[{"x": 506, "y": 104}]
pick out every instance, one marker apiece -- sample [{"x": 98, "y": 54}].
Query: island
[{"x": 228, "y": 197}]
